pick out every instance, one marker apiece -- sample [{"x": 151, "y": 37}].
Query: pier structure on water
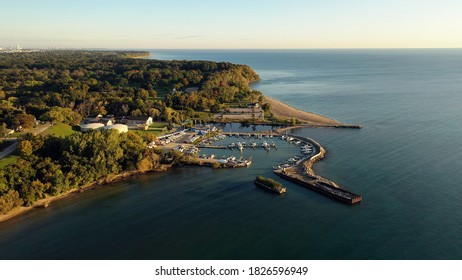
[{"x": 303, "y": 174}]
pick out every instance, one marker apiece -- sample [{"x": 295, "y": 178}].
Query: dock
[
  {"x": 303, "y": 174},
  {"x": 323, "y": 187},
  {"x": 235, "y": 148}
]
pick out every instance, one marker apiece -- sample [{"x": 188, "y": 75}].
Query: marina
[{"x": 297, "y": 168}]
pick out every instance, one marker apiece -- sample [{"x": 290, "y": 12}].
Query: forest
[
  {"x": 67, "y": 86},
  {"x": 52, "y": 165},
  {"x": 71, "y": 85}
]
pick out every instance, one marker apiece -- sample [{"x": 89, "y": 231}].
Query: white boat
[{"x": 265, "y": 145}]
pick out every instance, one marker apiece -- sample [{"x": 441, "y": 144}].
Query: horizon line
[{"x": 327, "y": 48}]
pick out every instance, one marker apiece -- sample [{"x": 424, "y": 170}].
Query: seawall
[{"x": 303, "y": 174}]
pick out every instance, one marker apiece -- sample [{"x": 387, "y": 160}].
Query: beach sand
[{"x": 284, "y": 111}]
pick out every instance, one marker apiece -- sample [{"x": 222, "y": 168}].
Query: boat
[
  {"x": 276, "y": 167},
  {"x": 269, "y": 184}
]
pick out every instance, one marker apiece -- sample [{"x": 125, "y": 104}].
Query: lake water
[{"x": 405, "y": 162}]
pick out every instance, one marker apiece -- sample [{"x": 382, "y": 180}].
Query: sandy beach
[{"x": 282, "y": 110}]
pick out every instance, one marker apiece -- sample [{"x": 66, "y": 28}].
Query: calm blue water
[{"x": 405, "y": 162}]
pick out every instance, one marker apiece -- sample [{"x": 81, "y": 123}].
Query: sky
[{"x": 237, "y": 24}]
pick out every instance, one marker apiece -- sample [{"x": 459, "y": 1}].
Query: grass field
[
  {"x": 158, "y": 125},
  {"x": 59, "y": 129},
  {"x": 9, "y": 159}
]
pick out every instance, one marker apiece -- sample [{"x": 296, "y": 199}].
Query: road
[
  {"x": 12, "y": 147},
  {"x": 8, "y": 150}
]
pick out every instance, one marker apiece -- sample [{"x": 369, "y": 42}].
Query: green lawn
[
  {"x": 156, "y": 132},
  {"x": 9, "y": 159},
  {"x": 158, "y": 125},
  {"x": 59, "y": 129}
]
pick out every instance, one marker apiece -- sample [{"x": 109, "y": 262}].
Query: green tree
[
  {"x": 24, "y": 120},
  {"x": 25, "y": 148},
  {"x": 215, "y": 108},
  {"x": 266, "y": 107},
  {"x": 9, "y": 201},
  {"x": 2, "y": 129},
  {"x": 62, "y": 115}
]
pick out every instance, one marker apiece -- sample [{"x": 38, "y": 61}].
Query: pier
[
  {"x": 235, "y": 148},
  {"x": 303, "y": 174}
]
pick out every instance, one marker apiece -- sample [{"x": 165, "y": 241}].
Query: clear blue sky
[{"x": 232, "y": 24}]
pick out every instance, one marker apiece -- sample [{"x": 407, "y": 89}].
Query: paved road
[
  {"x": 40, "y": 129},
  {"x": 9, "y": 149},
  {"x": 12, "y": 147}
]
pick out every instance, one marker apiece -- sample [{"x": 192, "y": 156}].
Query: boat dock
[
  {"x": 303, "y": 174},
  {"x": 235, "y": 148},
  {"x": 323, "y": 187}
]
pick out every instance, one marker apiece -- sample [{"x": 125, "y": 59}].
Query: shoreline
[
  {"x": 47, "y": 202},
  {"x": 313, "y": 121},
  {"x": 283, "y": 110}
]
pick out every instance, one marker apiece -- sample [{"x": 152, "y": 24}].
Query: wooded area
[{"x": 66, "y": 86}]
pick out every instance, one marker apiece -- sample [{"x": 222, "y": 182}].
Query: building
[
  {"x": 137, "y": 123},
  {"x": 190, "y": 90},
  {"x": 108, "y": 120},
  {"x": 253, "y": 105},
  {"x": 238, "y": 114},
  {"x": 122, "y": 128},
  {"x": 84, "y": 127}
]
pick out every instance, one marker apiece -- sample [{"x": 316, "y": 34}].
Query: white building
[
  {"x": 88, "y": 126},
  {"x": 120, "y": 127}
]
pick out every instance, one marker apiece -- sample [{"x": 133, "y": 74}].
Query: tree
[
  {"x": 2, "y": 129},
  {"x": 62, "y": 115},
  {"x": 149, "y": 137},
  {"x": 266, "y": 107},
  {"x": 32, "y": 192},
  {"x": 9, "y": 201},
  {"x": 190, "y": 112},
  {"x": 154, "y": 113},
  {"x": 25, "y": 148},
  {"x": 24, "y": 120},
  {"x": 136, "y": 113},
  {"x": 215, "y": 108}
]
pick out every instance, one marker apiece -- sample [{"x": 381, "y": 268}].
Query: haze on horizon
[{"x": 237, "y": 24}]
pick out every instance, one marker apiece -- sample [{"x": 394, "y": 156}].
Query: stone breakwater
[{"x": 303, "y": 174}]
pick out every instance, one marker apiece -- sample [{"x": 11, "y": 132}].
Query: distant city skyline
[{"x": 204, "y": 24}]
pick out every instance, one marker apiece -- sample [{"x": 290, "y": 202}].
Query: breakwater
[{"x": 303, "y": 174}]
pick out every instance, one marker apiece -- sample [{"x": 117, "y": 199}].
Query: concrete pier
[{"x": 303, "y": 174}]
